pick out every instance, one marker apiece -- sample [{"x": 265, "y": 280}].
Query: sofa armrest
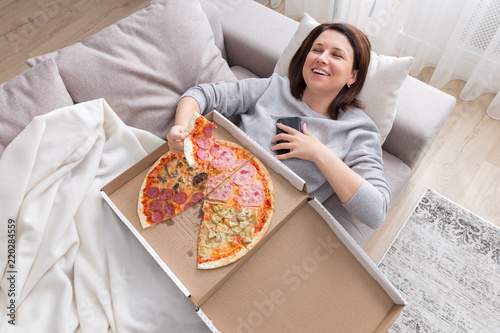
[
  {"x": 254, "y": 35},
  {"x": 421, "y": 112}
]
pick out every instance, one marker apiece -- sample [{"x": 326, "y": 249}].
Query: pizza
[{"x": 235, "y": 185}]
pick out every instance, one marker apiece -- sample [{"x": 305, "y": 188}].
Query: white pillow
[{"x": 385, "y": 76}]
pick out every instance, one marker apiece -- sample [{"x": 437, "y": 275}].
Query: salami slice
[
  {"x": 208, "y": 129},
  {"x": 223, "y": 193},
  {"x": 169, "y": 210},
  {"x": 197, "y": 196},
  {"x": 245, "y": 175},
  {"x": 155, "y": 205},
  {"x": 157, "y": 216},
  {"x": 251, "y": 195},
  {"x": 215, "y": 151},
  {"x": 224, "y": 158},
  {"x": 166, "y": 194},
  {"x": 203, "y": 142},
  {"x": 202, "y": 154},
  {"x": 180, "y": 197},
  {"x": 153, "y": 192}
]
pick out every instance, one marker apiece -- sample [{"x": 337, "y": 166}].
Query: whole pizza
[{"x": 235, "y": 185}]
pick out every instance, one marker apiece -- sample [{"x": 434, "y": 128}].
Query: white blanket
[{"x": 77, "y": 266}]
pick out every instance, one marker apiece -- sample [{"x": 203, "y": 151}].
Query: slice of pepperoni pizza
[
  {"x": 200, "y": 139},
  {"x": 170, "y": 187}
]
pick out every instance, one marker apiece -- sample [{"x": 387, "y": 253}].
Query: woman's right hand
[
  {"x": 175, "y": 138},
  {"x": 186, "y": 108}
]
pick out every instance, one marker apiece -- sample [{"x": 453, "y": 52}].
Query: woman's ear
[{"x": 353, "y": 78}]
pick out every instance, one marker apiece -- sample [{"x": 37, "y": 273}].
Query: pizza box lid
[{"x": 305, "y": 267}]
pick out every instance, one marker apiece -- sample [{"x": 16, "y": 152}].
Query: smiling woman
[{"x": 337, "y": 150}]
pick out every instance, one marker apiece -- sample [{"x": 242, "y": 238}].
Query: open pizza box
[{"x": 306, "y": 274}]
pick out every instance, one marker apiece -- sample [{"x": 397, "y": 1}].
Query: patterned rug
[{"x": 446, "y": 263}]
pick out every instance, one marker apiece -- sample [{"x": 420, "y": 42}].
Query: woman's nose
[{"x": 322, "y": 58}]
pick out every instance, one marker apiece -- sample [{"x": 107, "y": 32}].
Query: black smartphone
[{"x": 293, "y": 122}]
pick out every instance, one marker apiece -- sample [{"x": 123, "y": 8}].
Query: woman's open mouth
[{"x": 320, "y": 72}]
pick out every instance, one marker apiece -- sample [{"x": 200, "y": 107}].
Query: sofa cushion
[
  {"x": 385, "y": 76},
  {"x": 143, "y": 63},
  {"x": 215, "y": 19},
  {"x": 34, "y": 92},
  {"x": 422, "y": 111}
]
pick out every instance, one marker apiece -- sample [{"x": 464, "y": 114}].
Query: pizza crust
[
  {"x": 188, "y": 144},
  {"x": 224, "y": 261}
]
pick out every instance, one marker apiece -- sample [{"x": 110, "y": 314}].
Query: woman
[{"x": 338, "y": 150}]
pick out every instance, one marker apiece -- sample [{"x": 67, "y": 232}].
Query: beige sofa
[{"x": 142, "y": 64}]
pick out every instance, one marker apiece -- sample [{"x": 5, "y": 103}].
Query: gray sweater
[{"x": 354, "y": 137}]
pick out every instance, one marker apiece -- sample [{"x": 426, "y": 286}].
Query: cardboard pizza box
[{"x": 306, "y": 273}]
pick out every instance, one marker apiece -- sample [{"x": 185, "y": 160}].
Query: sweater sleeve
[
  {"x": 370, "y": 204},
  {"x": 228, "y": 98}
]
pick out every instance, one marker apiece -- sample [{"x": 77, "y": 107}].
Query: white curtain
[
  {"x": 320, "y": 10},
  {"x": 460, "y": 38}
]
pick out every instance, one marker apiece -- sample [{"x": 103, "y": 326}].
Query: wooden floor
[{"x": 463, "y": 164}]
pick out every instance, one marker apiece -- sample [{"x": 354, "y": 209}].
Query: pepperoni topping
[
  {"x": 203, "y": 142},
  {"x": 155, "y": 205},
  {"x": 207, "y": 129},
  {"x": 169, "y": 210},
  {"x": 157, "y": 217},
  {"x": 223, "y": 193},
  {"x": 153, "y": 192},
  {"x": 197, "y": 196},
  {"x": 180, "y": 197},
  {"x": 251, "y": 195},
  {"x": 224, "y": 158},
  {"x": 215, "y": 151},
  {"x": 167, "y": 194},
  {"x": 202, "y": 154},
  {"x": 245, "y": 175}
]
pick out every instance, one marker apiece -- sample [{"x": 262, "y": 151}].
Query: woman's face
[{"x": 329, "y": 64}]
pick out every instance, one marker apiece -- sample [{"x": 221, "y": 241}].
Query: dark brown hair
[{"x": 347, "y": 96}]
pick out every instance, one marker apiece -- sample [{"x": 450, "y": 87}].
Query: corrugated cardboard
[{"x": 307, "y": 274}]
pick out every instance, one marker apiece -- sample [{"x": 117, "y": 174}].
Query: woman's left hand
[{"x": 301, "y": 145}]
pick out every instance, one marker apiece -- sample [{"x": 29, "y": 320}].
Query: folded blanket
[{"x": 77, "y": 266}]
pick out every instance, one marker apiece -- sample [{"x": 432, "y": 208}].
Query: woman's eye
[{"x": 336, "y": 55}]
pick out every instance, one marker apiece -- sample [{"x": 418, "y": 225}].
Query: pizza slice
[
  {"x": 254, "y": 189},
  {"x": 170, "y": 187},
  {"x": 200, "y": 139},
  {"x": 220, "y": 239}
]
